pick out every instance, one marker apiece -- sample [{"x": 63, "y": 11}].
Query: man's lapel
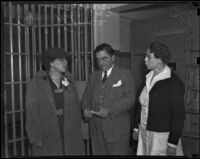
[{"x": 111, "y": 79}]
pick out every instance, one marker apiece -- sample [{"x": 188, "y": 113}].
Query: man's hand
[
  {"x": 104, "y": 112},
  {"x": 171, "y": 151},
  {"x": 87, "y": 114}
]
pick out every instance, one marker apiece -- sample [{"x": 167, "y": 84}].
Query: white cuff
[
  {"x": 172, "y": 145},
  {"x": 135, "y": 129}
]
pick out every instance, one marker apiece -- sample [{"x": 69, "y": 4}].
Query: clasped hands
[{"x": 103, "y": 113}]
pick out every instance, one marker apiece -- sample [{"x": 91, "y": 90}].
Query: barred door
[{"x": 29, "y": 29}]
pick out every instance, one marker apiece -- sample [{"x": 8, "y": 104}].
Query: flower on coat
[{"x": 65, "y": 82}]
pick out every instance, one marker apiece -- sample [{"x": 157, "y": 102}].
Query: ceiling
[{"x": 140, "y": 11}]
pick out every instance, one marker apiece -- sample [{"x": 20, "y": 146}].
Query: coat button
[{"x": 59, "y": 112}]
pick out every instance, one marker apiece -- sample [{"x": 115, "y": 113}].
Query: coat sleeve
[
  {"x": 128, "y": 100},
  {"x": 33, "y": 125},
  {"x": 177, "y": 112},
  {"x": 86, "y": 99}
]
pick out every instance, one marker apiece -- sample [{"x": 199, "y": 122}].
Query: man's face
[
  {"x": 59, "y": 64},
  {"x": 105, "y": 60},
  {"x": 150, "y": 61}
]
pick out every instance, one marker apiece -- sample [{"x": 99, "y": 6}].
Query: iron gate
[{"x": 29, "y": 29}]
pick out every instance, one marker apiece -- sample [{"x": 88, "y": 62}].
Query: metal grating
[{"x": 29, "y": 29}]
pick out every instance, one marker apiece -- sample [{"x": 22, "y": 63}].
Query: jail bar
[
  {"x": 46, "y": 30},
  {"x": 65, "y": 27},
  {"x": 79, "y": 48},
  {"x": 27, "y": 48},
  {"x": 58, "y": 17},
  {"x": 12, "y": 77},
  {"x": 39, "y": 31},
  {"x": 78, "y": 41},
  {"x": 86, "y": 42},
  {"x": 92, "y": 36},
  {"x": 33, "y": 41},
  {"x": 52, "y": 28},
  {"x": 72, "y": 38},
  {"x": 6, "y": 129},
  {"x": 20, "y": 80},
  {"x": 5, "y": 92},
  {"x": 5, "y": 101}
]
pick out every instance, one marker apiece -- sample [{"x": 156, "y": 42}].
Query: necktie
[{"x": 105, "y": 76}]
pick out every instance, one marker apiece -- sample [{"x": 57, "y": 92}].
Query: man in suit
[{"x": 107, "y": 100}]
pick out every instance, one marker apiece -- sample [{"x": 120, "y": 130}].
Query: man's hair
[{"x": 108, "y": 48}]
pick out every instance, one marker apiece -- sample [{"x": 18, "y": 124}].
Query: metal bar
[
  {"x": 39, "y": 32},
  {"x": 72, "y": 39},
  {"x": 55, "y": 25},
  {"x": 33, "y": 42},
  {"x": 58, "y": 17},
  {"x": 12, "y": 78},
  {"x": 46, "y": 30},
  {"x": 24, "y": 54},
  {"x": 86, "y": 43},
  {"x": 20, "y": 79},
  {"x": 92, "y": 36},
  {"x": 15, "y": 24},
  {"x": 19, "y": 139},
  {"x": 78, "y": 41},
  {"x": 52, "y": 28},
  {"x": 6, "y": 130},
  {"x": 7, "y": 83},
  {"x": 27, "y": 48},
  {"x": 15, "y": 53},
  {"x": 16, "y": 111},
  {"x": 65, "y": 27}
]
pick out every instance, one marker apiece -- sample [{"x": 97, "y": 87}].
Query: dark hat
[{"x": 51, "y": 54}]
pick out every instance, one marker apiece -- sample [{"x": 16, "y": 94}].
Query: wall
[
  {"x": 107, "y": 29},
  {"x": 125, "y": 34},
  {"x": 184, "y": 26},
  {"x": 110, "y": 28}
]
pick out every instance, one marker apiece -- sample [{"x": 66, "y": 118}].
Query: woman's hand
[
  {"x": 171, "y": 151},
  {"x": 135, "y": 135}
]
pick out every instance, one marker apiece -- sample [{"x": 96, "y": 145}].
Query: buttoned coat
[
  {"x": 118, "y": 98},
  {"x": 166, "y": 107},
  {"x": 41, "y": 118}
]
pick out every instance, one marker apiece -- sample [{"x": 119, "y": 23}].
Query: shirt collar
[
  {"x": 108, "y": 71},
  {"x": 166, "y": 73}
]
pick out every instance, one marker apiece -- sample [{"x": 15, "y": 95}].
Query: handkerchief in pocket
[{"x": 119, "y": 83}]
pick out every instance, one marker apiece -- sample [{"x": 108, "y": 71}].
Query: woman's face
[
  {"x": 151, "y": 61},
  {"x": 59, "y": 64}
]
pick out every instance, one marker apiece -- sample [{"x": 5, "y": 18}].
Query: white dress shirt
[{"x": 108, "y": 72}]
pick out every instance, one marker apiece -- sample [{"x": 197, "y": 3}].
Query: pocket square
[{"x": 119, "y": 83}]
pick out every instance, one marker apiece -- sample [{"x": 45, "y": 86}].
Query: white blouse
[{"x": 144, "y": 96}]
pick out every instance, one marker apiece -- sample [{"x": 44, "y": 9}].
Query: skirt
[{"x": 155, "y": 143}]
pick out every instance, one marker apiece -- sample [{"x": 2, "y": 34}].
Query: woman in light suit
[
  {"x": 53, "y": 113},
  {"x": 159, "y": 115}
]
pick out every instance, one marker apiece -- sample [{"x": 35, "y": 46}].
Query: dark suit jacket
[
  {"x": 118, "y": 99},
  {"x": 166, "y": 107},
  {"x": 41, "y": 118}
]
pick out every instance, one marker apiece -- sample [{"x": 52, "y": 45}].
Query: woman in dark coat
[
  {"x": 160, "y": 106},
  {"x": 53, "y": 113}
]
